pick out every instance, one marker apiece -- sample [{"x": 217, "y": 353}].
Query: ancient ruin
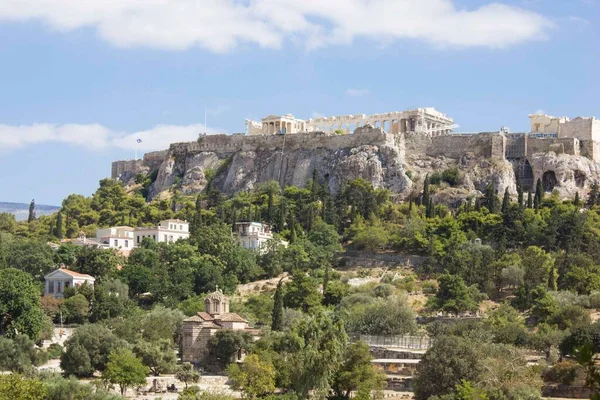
[
  {"x": 393, "y": 151},
  {"x": 426, "y": 121}
]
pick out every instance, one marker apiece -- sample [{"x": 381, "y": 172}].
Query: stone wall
[
  {"x": 126, "y": 167},
  {"x": 558, "y": 146},
  {"x": 452, "y": 146}
]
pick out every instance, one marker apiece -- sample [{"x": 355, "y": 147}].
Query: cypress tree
[
  {"x": 520, "y": 196},
  {"x": 529, "y": 199},
  {"x": 2, "y": 252},
  {"x": 315, "y": 184},
  {"x": 31, "y": 216},
  {"x": 197, "y": 221},
  {"x": 326, "y": 278},
  {"x": 594, "y": 195},
  {"x": 410, "y": 204},
  {"x": 277, "y": 315},
  {"x": 59, "y": 225},
  {"x": 425, "y": 200},
  {"x": 429, "y": 209},
  {"x": 293, "y": 230},
  {"x": 552, "y": 279},
  {"x": 270, "y": 208},
  {"x": 539, "y": 194},
  {"x": 577, "y": 200},
  {"x": 505, "y": 201}
]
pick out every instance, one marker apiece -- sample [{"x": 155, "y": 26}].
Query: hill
[{"x": 21, "y": 210}]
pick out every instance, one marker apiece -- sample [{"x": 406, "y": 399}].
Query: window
[
  {"x": 51, "y": 287},
  {"x": 138, "y": 239},
  {"x": 180, "y": 227},
  {"x": 126, "y": 243},
  {"x": 154, "y": 237},
  {"x": 116, "y": 243},
  {"x": 58, "y": 287}
]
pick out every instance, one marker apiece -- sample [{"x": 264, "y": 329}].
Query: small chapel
[{"x": 198, "y": 330}]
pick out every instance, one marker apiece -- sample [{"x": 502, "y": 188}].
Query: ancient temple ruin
[{"x": 427, "y": 121}]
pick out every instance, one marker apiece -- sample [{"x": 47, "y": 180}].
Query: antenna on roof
[{"x": 205, "y": 128}]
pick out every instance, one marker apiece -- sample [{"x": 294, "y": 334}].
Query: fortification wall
[
  {"x": 456, "y": 146},
  {"x": 126, "y": 166},
  {"x": 305, "y": 141},
  {"x": 558, "y": 146}
]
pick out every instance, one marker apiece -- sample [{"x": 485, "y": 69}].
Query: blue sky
[{"x": 80, "y": 81}]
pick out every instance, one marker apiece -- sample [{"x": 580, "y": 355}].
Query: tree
[
  {"x": 453, "y": 295},
  {"x": 187, "y": 374},
  {"x": 76, "y": 309},
  {"x": 58, "y": 231},
  {"x": 31, "y": 216},
  {"x": 302, "y": 293},
  {"x": 577, "y": 201},
  {"x": 197, "y": 221},
  {"x": 529, "y": 199},
  {"x": 446, "y": 364},
  {"x": 158, "y": 356},
  {"x": 31, "y": 256},
  {"x": 392, "y": 316},
  {"x": 124, "y": 369},
  {"x": 15, "y": 387},
  {"x": 19, "y": 354},
  {"x": 505, "y": 201},
  {"x": 255, "y": 377},
  {"x": 594, "y": 195},
  {"x": 539, "y": 194},
  {"x": 425, "y": 197},
  {"x": 20, "y": 310},
  {"x": 356, "y": 373},
  {"x": 277, "y": 316},
  {"x": 520, "y": 196},
  {"x": 226, "y": 344},
  {"x": 88, "y": 350},
  {"x": 310, "y": 353}
]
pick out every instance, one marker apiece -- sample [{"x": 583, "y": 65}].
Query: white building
[
  {"x": 118, "y": 237},
  {"x": 169, "y": 231},
  {"x": 59, "y": 280},
  {"x": 255, "y": 235}
]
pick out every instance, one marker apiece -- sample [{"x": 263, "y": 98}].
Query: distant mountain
[{"x": 21, "y": 210}]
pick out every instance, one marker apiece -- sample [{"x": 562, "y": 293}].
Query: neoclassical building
[{"x": 198, "y": 330}]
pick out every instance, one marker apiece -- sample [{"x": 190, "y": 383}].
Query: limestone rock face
[
  {"x": 395, "y": 162},
  {"x": 564, "y": 173}
]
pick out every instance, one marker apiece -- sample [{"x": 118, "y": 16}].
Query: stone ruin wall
[
  {"x": 306, "y": 141},
  {"x": 150, "y": 162}
]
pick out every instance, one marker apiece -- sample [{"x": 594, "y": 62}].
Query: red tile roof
[
  {"x": 75, "y": 274},
  {"x": 232, "y": 317}
]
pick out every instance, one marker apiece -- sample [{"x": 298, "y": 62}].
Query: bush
[
  {"x": 565, "y": 372},
  {"x": 429, "y": 287},
  {"x": 54, "y": 351}
]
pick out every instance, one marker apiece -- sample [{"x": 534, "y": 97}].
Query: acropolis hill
[{"x": 392, "y": 150}]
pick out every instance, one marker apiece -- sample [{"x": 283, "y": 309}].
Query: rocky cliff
[{"x": 396, "y": 162}]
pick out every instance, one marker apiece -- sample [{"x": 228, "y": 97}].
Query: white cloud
[
  {"x": 97, "y": 137},
  {"x": 357, "y": 92},
  {"x": 221, "y": 25}
]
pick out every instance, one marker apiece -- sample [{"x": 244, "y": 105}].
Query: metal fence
[{"x": 397, "y": 342}]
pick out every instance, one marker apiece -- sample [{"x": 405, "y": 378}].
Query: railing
[{"x": 397, "y": 342}]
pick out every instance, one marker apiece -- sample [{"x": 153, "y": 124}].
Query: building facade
[
  {"x": 198, "y": 329},
  {"x": 168, "y": 231},
  {"x": 59, "y": 280},
  {"x": 118, "y": 237},
  {"x": 427, "y": 121},
  {"x": 582, "y": 128}
]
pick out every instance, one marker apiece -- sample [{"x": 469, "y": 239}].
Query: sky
[{"x": 81, "y": 81}]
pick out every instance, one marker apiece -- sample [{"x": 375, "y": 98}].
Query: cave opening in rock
[
  {"x": 579, "y": 178},
  {"x": 549, "y": 181}
]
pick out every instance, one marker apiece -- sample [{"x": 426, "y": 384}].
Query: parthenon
[{"x": 427, "y": 121}]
